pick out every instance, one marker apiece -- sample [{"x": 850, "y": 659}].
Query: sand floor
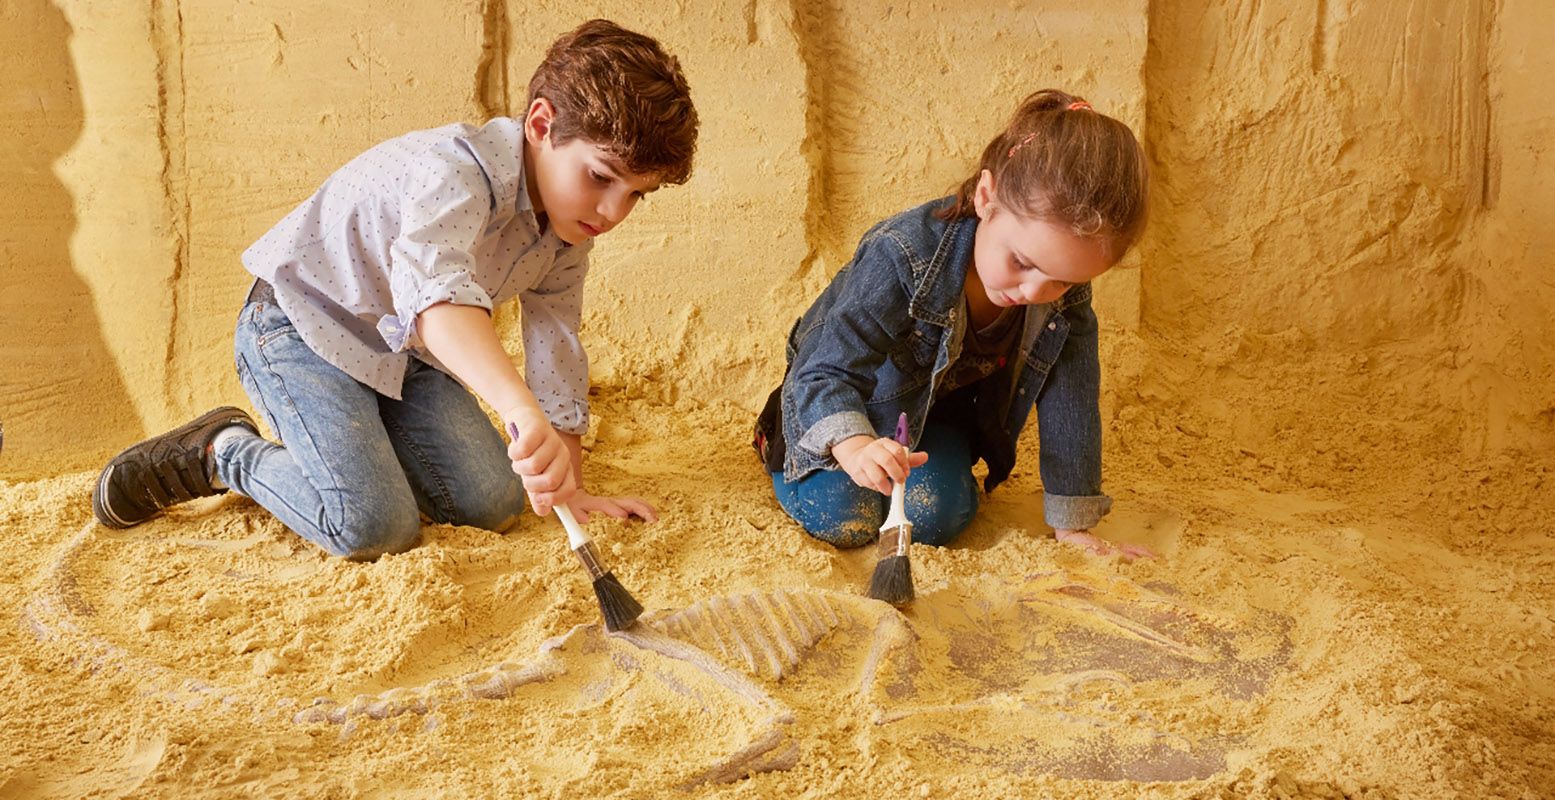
[{"x": 1378, "y": 638}]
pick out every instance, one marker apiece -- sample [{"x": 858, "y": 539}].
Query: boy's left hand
[
  {"x": 1101, "y": 547},
  {"x": 583, "y": 504}
]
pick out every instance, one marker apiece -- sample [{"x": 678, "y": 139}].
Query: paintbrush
[
  {"x": 892, "y": 581},
  {"x": 616, "y": 604}
]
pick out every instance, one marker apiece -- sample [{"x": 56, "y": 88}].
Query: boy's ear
[{"x": 537, "y": 121}]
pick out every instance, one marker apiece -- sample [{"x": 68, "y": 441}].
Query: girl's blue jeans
[
  {"x": 941, "y": 496},
  {"x": 356, "y": 469}
]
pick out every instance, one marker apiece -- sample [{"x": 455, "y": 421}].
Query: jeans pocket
[{"x": 270, "y": 323}]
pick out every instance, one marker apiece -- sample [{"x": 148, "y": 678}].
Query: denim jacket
[{"x": 882, "y": 336}]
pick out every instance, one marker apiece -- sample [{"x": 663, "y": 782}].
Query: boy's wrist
[{"x": 525, "y": 414}]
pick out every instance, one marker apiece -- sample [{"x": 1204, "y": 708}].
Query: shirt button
[{"x": 1052, "y": 326}]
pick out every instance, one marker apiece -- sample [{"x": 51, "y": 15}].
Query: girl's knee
[
  {"x": 939, "y": 522},
  {"x": 940, "y": 529},
  {"x": 831, "y": 508},
  {"x": 845, "y": 533}
]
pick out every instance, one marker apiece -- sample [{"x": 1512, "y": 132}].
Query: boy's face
[
  {"x": 1024, "y": 261},
  {"x": 582, "y": 190}
]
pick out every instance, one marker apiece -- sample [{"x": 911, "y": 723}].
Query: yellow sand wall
[
  {"x": 1350, "y": 204},
  {"x": 1351, "y": 213}
]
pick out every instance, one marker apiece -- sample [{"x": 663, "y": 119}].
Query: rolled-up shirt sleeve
[
  {"x": 555, "y": 364},
  {"x": 446, "y": 202}
]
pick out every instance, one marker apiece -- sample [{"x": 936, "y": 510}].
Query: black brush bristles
[
  {"x": 618, "y": 606},
  {"x": 892, "y": 581}
]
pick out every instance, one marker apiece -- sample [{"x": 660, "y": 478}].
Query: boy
[{"x": 371, "y": 305}]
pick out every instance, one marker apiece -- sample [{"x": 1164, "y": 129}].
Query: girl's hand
[
  {"x": 1101, "y": 547},
  {"x": 876, "y": 463},
  {"x": 583, "y": 504},
  {"x": 540, "y": 458}
]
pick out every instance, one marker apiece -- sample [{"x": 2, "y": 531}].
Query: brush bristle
[
  {"x": 618, "y": 606},
  {"x": 892, "y": 581}
]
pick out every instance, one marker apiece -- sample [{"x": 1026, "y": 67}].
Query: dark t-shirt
[{"x": 986, "y": 350}]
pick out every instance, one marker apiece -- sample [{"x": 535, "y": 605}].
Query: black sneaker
[{"x": 163, "y": 470}]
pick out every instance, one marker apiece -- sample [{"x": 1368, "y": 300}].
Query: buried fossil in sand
[{"x": 1031, "y": 678}]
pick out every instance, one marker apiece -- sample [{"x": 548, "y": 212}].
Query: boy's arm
[
  {"x": 583, "y": 504},
  {"x": 557, "y": 369},
  {"x": 462, "y": 338},
  {"x": 445, "y": 202}
]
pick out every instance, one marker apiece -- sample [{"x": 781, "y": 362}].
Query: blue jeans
[
  {"x": 356, "y": 469},
  {"x": 941, "y": 496}
]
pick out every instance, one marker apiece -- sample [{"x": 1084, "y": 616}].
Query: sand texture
[{"x": 1326, "y": 391}]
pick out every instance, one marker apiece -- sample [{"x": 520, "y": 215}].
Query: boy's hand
[
  {"x": 583, "y": 504},
  {"x": 876, "y": 463},
  {"x": 1101, "y": 547},
  {"x": 541, "y": 459}
]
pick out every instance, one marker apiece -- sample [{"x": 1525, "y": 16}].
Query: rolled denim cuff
[
  {"x": 1074, "y": 512},
  {"x": 833, "y": 429}
]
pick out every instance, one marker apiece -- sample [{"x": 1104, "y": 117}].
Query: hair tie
[
  {"x": 1075, "y": 106},
  {"x": 1022, "y": 143}
]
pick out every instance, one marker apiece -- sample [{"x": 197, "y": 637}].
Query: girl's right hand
[
  {"x": 1096, "y": 545},
  {"x": 876, "y": 463},
  {"x": 541, "y": 459}
]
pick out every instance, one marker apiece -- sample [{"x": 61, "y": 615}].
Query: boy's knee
[
  {"x": 366, "y": 536},
  {"x": 494, "y": 507}
]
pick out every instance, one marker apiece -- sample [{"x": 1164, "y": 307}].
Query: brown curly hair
[{"x": 621, "y": 91}]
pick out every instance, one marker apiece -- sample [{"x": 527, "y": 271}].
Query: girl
[{"x": 963, "y": 313}]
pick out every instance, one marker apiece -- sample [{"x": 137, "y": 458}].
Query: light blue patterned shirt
[{"x": 433, "y": 216}]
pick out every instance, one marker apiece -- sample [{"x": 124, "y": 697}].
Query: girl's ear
[
  {"x": 982, "y": 196},
  {"x": 537, "y": 121}
]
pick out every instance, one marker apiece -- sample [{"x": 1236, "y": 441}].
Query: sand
[
  {"x": 1287, "y": 643},
  {"x": 1326, "y": 392}
]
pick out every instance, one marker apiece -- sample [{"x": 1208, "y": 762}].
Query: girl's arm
[
  {"x": 1069, "y": 429},
  {"x": 837, "y": 359}
]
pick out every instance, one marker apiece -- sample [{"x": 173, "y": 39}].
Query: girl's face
[
  {"x": 582, "y": 189},
  {"x": 1023, "y": 261}
]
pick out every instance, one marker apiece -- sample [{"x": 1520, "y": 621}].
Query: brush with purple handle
[{"x": 892, "y": 581}]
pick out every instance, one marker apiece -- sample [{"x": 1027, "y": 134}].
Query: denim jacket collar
[{"x": 937, "y": 297}]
